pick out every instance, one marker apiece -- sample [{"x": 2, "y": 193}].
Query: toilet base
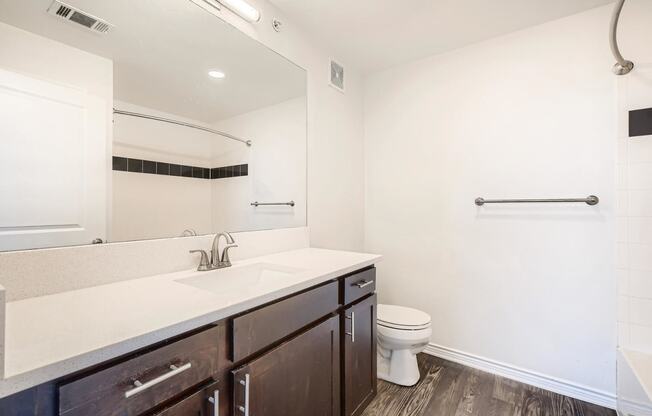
[{"x": 398, "y": 367}]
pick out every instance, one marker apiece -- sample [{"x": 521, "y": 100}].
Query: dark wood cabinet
[
  {"x": 310, "y": 353},
  {"x": 359, "y": 355},
  {"x": 299, "y": 377},
  {"x": 256, "y": 330},
  {"x": 358, "y": 285},
  {"x": 144, "y": 381},
  {"x": 205, "y": 402}
]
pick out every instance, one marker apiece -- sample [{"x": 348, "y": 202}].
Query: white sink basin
[{"x": 243, "y": 279}]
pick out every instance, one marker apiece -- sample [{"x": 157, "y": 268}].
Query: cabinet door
[
  {"x": 203, "y": 403},
  {"x": 359, "y": 345},
  {"x": 298, "y": 378}
]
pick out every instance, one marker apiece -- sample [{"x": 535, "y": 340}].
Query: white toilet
[{"x": 402, "y": 334}]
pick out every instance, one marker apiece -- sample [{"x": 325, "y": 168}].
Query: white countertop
[{"x": 51, "y": 336}]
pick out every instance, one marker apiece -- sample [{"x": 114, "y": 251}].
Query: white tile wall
[
  {"x": 640, "y": 283},
  {"x": 640, "y": 311},
  {"x": 634, "y": 211},
  {"x": 640, "y": 203},
  {"x": 623, "y": 279},
  {"x": 623, "y": 309},
  {"x": 622, "y": 256},
  {"x": 640, "y": 150},
  {"x": 639, "y": 230},
  {"x": 622, "y": 203},
  {"x": 640, "y": 256},
  {"x": 640, "y": 337},
  {"x": 640, "y": 176}
]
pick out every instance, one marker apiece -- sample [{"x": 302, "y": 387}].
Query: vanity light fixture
[
  {"x": 217, "y": 74},
  {"x": 242, "y": 9}
]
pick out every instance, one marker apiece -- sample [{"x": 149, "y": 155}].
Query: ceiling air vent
[{"x": 74, "y": 15}]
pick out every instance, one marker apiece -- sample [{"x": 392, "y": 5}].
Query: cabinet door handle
[
  {"x": 215, "y": 401},
  {"x": 364, "y": 283},
  {"x": 245, "y": 409},
  {"x": 140, "y": 387},
  {"x": 352, "y": 333}
]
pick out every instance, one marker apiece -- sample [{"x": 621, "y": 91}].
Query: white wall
[
  {"x": 335, "y": 131},
  {"x": 526, "y": 115},
  {"x": 277, "y": 169}
]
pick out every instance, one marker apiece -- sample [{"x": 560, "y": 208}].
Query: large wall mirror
[{"x": 128, "y": 120}]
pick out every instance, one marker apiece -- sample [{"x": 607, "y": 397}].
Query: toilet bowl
[{"x": 402, "y": 334}]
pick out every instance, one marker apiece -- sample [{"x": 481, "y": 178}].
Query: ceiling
[
  {"x": 376, "y": 34},
  {"x": 162, "y": 51}
]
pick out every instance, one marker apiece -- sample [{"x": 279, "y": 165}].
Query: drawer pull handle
[
  {"x": 352, "y": 333},
  {"x": 364, "y": 283},
  {"x": 215, "y": 401},
  {"x": 140, "y": 387},
  {"x": 245, "y": 409}
]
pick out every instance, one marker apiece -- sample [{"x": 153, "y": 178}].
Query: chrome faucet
[{"x": 218, "y": 259}]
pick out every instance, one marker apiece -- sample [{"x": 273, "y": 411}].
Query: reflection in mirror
[{"x": 158, "y": 120}]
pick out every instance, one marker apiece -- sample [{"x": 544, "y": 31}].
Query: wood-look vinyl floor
[{"x": 451, "y": 389}]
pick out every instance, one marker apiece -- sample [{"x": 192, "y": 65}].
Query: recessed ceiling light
[{"x": 216, "y": 74}]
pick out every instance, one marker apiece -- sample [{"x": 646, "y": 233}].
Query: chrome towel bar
[
  {"x": 589, "y": 200},
  {"x": 256, "y": 203}
]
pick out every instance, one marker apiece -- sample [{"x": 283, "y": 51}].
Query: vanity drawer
[
  {"x": 162, "y": 374},
  {"x": 359, "y": 285},
  {"x": 262, "y": 327},
  {"x": 204, "y": 402}
]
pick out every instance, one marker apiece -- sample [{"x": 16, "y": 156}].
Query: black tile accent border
[
  {"x": 135, "y": 165},
  {"x": 170, "y": 169},
  {"x": 149, "y": 166},
  {"x": 162, "y": 168},
  {"x": 640, "y": 122},
  {"x": 119, "y": 163}
]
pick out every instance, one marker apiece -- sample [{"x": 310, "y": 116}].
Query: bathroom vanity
[
  {"x": 295, "y": 336},
  {"x": 143, "y": 150}
]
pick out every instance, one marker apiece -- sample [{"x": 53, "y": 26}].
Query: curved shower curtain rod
[
  {"x": 181, "y": 123},
  {"x": 622, "y": 66}
]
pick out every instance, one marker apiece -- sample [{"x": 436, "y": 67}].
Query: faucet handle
[
  {"x": 204, "y": 263},
  {"x": 225, "y": 261}
]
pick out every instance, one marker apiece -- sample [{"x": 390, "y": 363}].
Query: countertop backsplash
[{"x": 31, "y": 273}]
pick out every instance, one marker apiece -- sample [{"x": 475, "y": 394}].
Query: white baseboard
[{"x": 532, "y": 378}]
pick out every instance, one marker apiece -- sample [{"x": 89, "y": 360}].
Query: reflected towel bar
[
  {"x": 589, "y": 200},
  {"x": 256, "y": 203},
  {"x": 181, "y": 123}
]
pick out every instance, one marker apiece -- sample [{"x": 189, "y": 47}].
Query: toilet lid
[{"x": 401, "y": 317}]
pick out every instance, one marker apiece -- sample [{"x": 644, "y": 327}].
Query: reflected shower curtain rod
[{"x": 181, "y": 123}]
